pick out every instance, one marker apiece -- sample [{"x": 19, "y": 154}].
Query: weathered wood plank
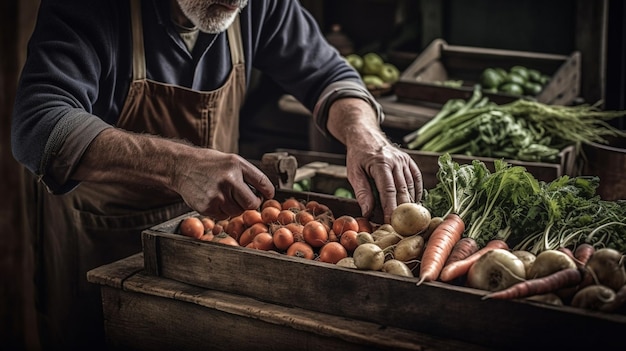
[
  {"x": 115, "y": 273},
  {"x": 152, "y": 313}
]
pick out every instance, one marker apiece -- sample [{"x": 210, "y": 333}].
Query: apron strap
[
  {"x": 139, "y": 62},
  {"x": 235, "y": 42}
]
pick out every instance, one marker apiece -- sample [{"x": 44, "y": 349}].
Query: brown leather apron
[{"x": 96, "y": 224}]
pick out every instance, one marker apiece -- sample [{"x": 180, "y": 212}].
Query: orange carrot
[
  {"x": 462, "y": 250},
  {"x": 439, "y": 246},
  {"x": 564, "y": 278},
  {"x": 460, "y": 268}
]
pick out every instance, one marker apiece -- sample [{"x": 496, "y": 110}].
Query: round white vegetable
[
  {"x": 496, "y": 270},
  {"x": 368, "y": 256},
  {"x": 410, "y": 218},
  {"x": 397, "y": 267}
]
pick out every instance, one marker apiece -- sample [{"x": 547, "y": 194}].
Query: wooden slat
[
  {"x": 114, "y": 274},
  {"x": 152, "y": 313}
]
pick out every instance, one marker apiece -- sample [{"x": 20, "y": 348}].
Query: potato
[
  {"x": 410, "y": 218},
  {"x": 388, "y": 240},
  {"x": 369, "y": 256},
  {"x": 409, "y": 248},
  {"x": 397, "y": 267}
]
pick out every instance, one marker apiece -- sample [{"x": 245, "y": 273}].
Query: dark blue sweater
[{"x": 78, "y": 70}]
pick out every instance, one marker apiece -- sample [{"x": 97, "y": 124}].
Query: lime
[
  {"x": 511, "y": 88},
  {"x": 532, "y": 88},
  {"x": 490, "y": 78},
  {"x": 514, "y": 78},
  {"x": 520, "y": 70},
  {"x": 305, "y": 184},
  {"x": 502, "y": 71},
  {"x": 344, "y": 193},
  {"x": 534, "y": 75}
]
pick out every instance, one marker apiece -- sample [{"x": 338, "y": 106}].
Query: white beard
[{"x": 212, "y": 16}]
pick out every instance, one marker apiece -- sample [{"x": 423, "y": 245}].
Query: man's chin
[{"x": 219, "y": 22}]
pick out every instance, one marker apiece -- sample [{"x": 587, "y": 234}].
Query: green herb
[{"x": 522, "y": 130}]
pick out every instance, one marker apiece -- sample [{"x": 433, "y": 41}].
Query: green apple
[
  {"x": 373, "y": 81},
  {"x": 372, "y": 63},
  {"x": 355, "y": 61},
  {"x": 389, "y": 73}
]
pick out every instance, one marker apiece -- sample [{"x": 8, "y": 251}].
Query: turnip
[
  {"x": 364, "y": 237},
  {"x": 607, "y": 267},
  {"x": 369, "y": 256},
  {"x": 593, "y": 297},
  {"x": 397, "y": 267},
  {"x": 496, "y": 270},
  {"x": 548, "y": 262},
  {"x": 347, "y": 262},
  {"x": 410, "y": 218},
  {"x": 527, "y": 257}
]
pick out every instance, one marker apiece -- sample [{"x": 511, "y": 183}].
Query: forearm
[
  {"x": 354, "y": 122},
  {"x": 117, "y": 156}
]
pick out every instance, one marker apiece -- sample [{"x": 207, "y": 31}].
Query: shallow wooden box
[
  {"x": 147, "y": 312},
  {"x": 428, "y": 163},
  {"x": 437, "y": 309},
  {"x": 439, "y": 62}
]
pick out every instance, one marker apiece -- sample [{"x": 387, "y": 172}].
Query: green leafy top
[{"x": 510, "y": 204}]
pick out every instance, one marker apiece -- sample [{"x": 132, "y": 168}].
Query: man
[{"x": 127, "y": 115}]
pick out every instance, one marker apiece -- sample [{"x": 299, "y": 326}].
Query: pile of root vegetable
[{"x": 502, "y": 232}]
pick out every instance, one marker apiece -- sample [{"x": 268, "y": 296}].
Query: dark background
[{"x": 399, "y": 29}]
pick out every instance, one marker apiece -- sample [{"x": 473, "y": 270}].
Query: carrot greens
[{"x": 511, "y": 205}]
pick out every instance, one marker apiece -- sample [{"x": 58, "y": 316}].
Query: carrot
[
  {"x": 564, "y": 278},
  {"x": 583, "y": 252},
  {"x": 460, "y": 268},
  {"x": 461, "y": 250},
  {"x": 439, "y": 246}
]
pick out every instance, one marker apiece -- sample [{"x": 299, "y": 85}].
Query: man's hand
[
  {"x": 211, "y": 182},
  {"x": 222, "y": 185},
  {"x": 370, "y": 155}
]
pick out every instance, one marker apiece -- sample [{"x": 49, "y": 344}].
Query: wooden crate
[
  {"x": 440, "y": 62},
  {"x": 428, "y": 163},
  {"x": 324, "y": 177},
  {"x": 147, "y": 312},
  {"x": 438, "y": 309}
]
